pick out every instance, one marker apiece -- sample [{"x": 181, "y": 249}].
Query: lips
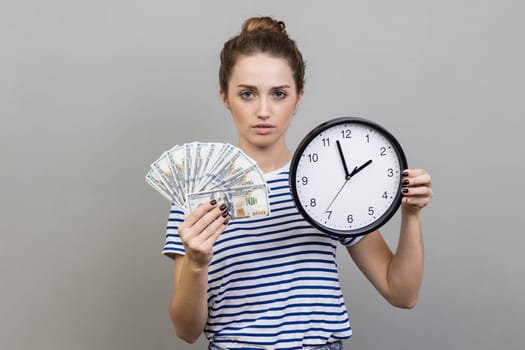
[{"x": 263, "y": 128}]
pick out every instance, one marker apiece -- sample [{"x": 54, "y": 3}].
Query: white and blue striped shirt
[{"x": 273, "y": 281}]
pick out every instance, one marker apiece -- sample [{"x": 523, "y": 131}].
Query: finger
[
  {"x": 210, "y": 217},
  {"x": 419, "y": 191},
  {"x": 216, "y": 230},
  {"x": 416, "y": 179},
  {"x": 419, "y": 202},
  {"x": 199, "y": 212},
  {"x": 215, "y": 225}
]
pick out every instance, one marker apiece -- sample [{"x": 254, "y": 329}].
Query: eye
[
  {"x": 279, "y": 94},
  {"x": 247, "y": 94}
]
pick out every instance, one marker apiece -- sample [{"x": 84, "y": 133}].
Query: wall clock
[{"x": 345, "y": 176}]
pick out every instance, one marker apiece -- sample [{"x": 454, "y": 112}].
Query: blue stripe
[
  {"x": 273, "y": 257},
  {"x": 276, "y": 283},
  {"x": 275, "y": 240},
  {"x": 276, "y": 334},
  {"x": 258, "y": 260},
  {"x": 265, "y": 302},
  {"x": 280, "y": 317},
  {"x": 269, "y": 275},
  {"x": 280, "y": 308},
  {"x": 288, "y": 263},
  {"x": 277, "y": 291}
]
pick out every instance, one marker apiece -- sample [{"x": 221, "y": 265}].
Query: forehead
[{"x": 261, "y": 69}]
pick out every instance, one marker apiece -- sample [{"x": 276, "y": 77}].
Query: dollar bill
[
  {"x": 244, "y": 177},
  {"x": 154, "y": 181},
  {"x": 243, "y": 202}
]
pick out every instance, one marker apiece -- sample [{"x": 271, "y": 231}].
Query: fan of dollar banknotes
[{"x": 197, "y": 172}]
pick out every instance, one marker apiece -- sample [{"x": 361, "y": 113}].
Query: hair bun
[{"x": 263, "y": 24}]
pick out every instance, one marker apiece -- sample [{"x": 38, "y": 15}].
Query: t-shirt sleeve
[
  {"x": 350, "y": 241},
  {"x": 173, "y": 244}
]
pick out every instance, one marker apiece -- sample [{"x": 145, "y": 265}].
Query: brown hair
[{"x": 261, "y": 35}]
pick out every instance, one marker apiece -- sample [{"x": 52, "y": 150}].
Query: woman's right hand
[{"x": 201, "y": 229}]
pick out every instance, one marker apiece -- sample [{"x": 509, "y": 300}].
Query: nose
[{"x": 263, "y": 109}]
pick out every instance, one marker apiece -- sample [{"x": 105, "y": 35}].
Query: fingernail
[
  {"x": 223, "y": 206},
  {"x": 405, "y": 173},
  {"x": 405, "y": 182},
  {"x": 225, "y": 213},
  {"x": 226, "y": 222},
  {"x": 213, "y": 202},
  {"x": 405, "y": 190}
]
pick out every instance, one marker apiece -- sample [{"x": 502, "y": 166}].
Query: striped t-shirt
[{"x": 273, "y": 281}]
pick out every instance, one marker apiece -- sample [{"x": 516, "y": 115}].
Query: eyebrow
[{"x": 253, "y": 87}]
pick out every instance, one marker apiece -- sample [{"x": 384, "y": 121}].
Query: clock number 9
[{"x": 304, "y": 180}]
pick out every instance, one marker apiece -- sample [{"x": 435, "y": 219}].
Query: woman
[{"x": 272, "y": 283}]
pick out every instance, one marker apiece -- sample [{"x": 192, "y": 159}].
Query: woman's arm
[
  {"x": 189, "y": 303},
  {"x": 397, "y": 276}
]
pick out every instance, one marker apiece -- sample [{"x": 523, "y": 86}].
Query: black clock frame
[{"x": 297, "y": 157}]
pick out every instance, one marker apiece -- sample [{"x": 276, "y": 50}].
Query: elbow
[
  {"x": 188, "y": 338},
  {"x": 403, "y": 302}
]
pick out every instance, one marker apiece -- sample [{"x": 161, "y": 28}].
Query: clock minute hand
[
  {"x": 358, "y": 169},
  {"x": 347, "y": 174}
]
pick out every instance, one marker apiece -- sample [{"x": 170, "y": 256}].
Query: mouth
[{"x": 263, "y": 128}]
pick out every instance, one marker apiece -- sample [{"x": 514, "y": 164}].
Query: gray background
[{"x": 92, "y": 91}]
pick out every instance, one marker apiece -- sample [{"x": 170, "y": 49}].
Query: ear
[
  {"x": 224, "y": 98},
  {"x": 299, "y": 97}
]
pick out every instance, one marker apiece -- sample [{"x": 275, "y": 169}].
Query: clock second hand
[{"x": 354, "y": 172}]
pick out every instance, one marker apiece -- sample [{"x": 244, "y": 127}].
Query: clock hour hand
[
  {"x": 347, "y": 174},
  {"x": 358, "y": 169}
]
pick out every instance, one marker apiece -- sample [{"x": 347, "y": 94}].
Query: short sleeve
[
  {"x": 350, "y": 241},
  {"x": 173, "y": 244}
]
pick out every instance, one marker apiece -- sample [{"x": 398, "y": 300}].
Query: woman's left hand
[{"x": 416, "y": 190}]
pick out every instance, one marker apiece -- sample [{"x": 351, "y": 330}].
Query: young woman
[{"x": 272, "y": 283}]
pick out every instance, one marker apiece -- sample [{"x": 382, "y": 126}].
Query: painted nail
[
  {"x": 225, "y": 213},
  {"x": 405, "y": 182},
  {"x": 405, "y": 190},
  {"x": 405, "y": 173},
  {"x": 213, "y": 202},
  {"x": 223, "y": 206},
  {"x": 226, "y": 222}
]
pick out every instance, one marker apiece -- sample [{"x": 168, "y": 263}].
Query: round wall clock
[{"x": 345, "y": 176}]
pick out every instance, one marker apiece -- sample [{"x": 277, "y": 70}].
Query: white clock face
[{"x": 348, "y": 177}]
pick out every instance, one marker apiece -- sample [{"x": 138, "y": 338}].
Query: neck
[{"x": 268, "y": 158}]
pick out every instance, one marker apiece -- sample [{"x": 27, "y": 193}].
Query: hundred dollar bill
[
  {"x": 154, "y": 181},
  {"x": 162, "y": 168},
  {"x": 176, "y": 162},
  {"x": 246, "y": 177},
  {"x": 243, "y": 202}
]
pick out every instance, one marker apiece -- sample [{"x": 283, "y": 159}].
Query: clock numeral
[
  {"x": 329, "y": 213},
  {"x": 367, "y": 138},
  {"x": 390, "y": 172},
  {"x": 346, "y": 133},
  {"x": 314, "y": 157},
  {"x": 385, "y": 196},
  {"x": 383, "y": 151},
  {"x": 304, "y": 180},
  {"x": 326, "y": 142},
  {"x": 350, "y": 218},
  {"x": 370, "y": 211},
  {"x": 313, "y": 202}
]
